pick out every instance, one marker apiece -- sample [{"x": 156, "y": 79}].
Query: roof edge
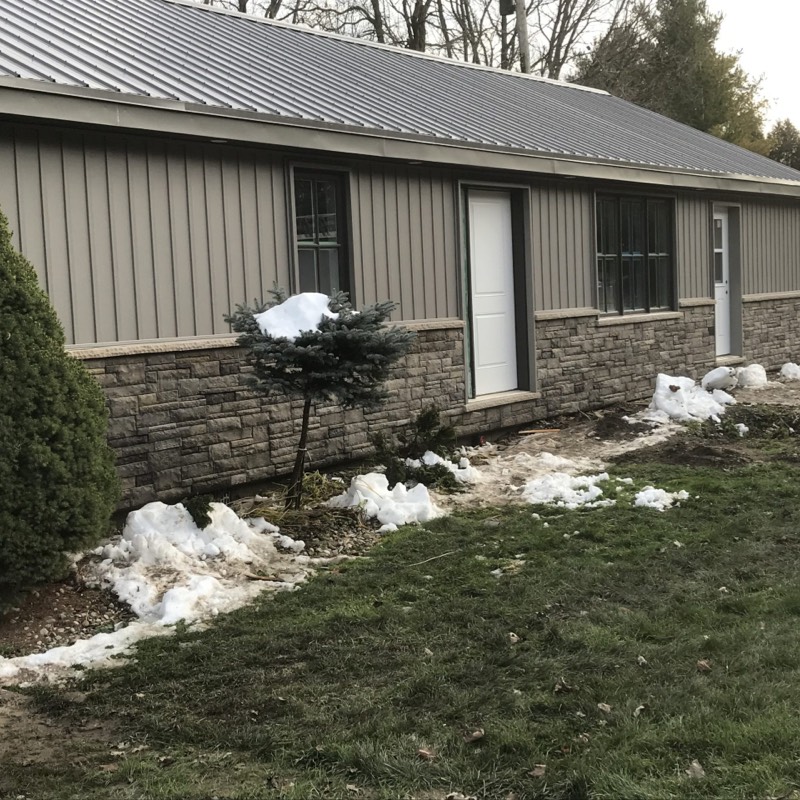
[
  {"x": 67, "y": 105},
  {"x": 379, "y": 46}
]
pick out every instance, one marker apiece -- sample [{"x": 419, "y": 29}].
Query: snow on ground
[
  {"x": 298, "y": 313},
  {"x": 681, "y": 399},
  {"x": 463, "y": 472},
  {"x": 167, "y": 570},
  {"x": 659, "y": 499},
  {"x": 720, "y": 378},
  {"x": 567, "y": 491},
  {"x": 391, "y": 507},
  {"x": 752, "y": 377},
  {"x": 790, "y": 372}
]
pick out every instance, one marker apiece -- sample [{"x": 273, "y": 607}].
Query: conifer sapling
[{"x": 346, "y": 358}]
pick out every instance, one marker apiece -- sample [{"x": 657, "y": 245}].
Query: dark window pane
[
  {"x": 718, "y": 234},
  {"x": 329, "y": 270},
  {"x": 632, "y": 226},
  {"x": 326, "y": 211},
  {"x": 633, "y": 284},
  {"x": 307, "y": 261},
  {"x": 304, "y": 209},
  {"x": 718, "y": 268},
  {"x": 607, "y": 284}
]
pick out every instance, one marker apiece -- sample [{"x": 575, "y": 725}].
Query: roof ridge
[{"x": 380, "y": 46}]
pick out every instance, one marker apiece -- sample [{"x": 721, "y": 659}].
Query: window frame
[
  {"x": 643, "y": 282},
  {"x": 343, "y": 243}
]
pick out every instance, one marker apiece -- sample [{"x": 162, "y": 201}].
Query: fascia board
[{"x": 36, "y": 101}]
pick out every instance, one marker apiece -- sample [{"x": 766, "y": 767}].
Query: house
[{"x": 553, "y": 246}]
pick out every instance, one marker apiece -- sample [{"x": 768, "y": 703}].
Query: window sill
[
  {"x": 635, "y": 319},
  {"x": 500, "y": 399}
]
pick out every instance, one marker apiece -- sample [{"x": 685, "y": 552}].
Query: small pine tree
[
  {"x": 58, "y": 486},
  {"x": 345, "y": 359}
]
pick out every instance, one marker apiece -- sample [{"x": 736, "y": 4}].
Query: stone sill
[
  {"x": 500, "y": 399},
  {"x": 565, "y": 313},
  {"x": 88, "y": 352},
  {"x": 696, "y": 302},
  {"x": 636, "y": 319},
  {"x": 729, "y": 361},
  {"x": 760, "y": 298}
]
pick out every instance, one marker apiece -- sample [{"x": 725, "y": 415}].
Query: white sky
[{"x": 766, "y": 33}]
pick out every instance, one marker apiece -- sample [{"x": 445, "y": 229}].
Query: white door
[
  {"x": 722, "y": 280},
  {"x": 491, "y": 267}
]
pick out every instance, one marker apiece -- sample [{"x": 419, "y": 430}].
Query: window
[
  {"x": 634, "y": 260},
  {"x": 320, "y": 228}
]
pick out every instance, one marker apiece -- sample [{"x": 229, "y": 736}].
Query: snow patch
[
  {"x": 659, "y": 499},
  {"x": 752, "y": 377},
  {"x": 681, "y": 399},
  {"x": 720, "y": 378},
  {"x": 397, "y": 506},
  {"x": 299, "y": 313},
  {"x": 567, "y": 491},
  {"x": 167, "y": 569},
  {"x": 463, "y": 472},
  {"x": 790, "y": 372}
]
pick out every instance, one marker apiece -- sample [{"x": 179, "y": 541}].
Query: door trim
[
  {"x": 523, "y": 281},
  {"x": 735, "y": 298}
]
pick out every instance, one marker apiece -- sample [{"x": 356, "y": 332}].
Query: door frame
[
  {"x": 734, "y": 212},
  {"x": 523, "y": 280}
]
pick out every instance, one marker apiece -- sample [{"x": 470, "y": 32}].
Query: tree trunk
[{"x": 294, "y": 494}]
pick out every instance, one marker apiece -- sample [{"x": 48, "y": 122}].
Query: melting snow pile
[
  {"x": 391, "y": 507},
  {"x": 790, "y": 372},
  {"x": 463, "y": 472},
  {"x": 720, "y": 378},
  {"x": 167, "y": 569},
  {"x": 681, "y": 399},
  {"x": 567, "y": 491},
  {"x": 301, "y": 312},
  {"x": 661, "y": 500},
  {"x": 162, "y": 547},
  {"x": 752, "y": 377}
]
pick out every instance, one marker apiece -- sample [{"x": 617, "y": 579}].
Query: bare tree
[{"x": 469, "y": 30}]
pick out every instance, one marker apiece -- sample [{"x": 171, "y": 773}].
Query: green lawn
[{"x": 333, "y": 691}]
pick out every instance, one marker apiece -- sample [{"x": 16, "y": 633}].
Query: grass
[{"x": 333, "y": 690}]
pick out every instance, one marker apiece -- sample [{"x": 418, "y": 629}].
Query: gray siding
[
  {"x": 404, "y": 240},
  {"x": 562, "y": 230},
  {"x": 770, "y": 247},
  {"x": 141, "y": 239},
  {"x": 692, "y": 234}
]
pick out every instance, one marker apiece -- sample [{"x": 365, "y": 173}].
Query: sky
[{"x": 765, "y": 31}]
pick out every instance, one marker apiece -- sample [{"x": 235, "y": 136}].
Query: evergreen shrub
[{"x": 58, "y": 485}]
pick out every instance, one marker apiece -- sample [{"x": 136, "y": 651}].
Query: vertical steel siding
[
  {"x": 136, "y": 239},
  {"x": 404, "y": 230},
  {"x": 562, "y": 230},
  {"x": 693, "y": 244},
  {"x": 770, "y": 247}
]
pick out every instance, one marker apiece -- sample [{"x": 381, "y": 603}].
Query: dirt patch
[
  {"x": 28, "y": 737},
  {"x": 688, "y": 454}
]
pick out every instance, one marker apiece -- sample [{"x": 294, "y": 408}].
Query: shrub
[{"x": 58, "y": 486}]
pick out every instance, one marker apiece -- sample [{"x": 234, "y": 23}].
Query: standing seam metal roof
[{"x": 197, "y": 55}]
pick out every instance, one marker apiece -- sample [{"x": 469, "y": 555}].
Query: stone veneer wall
[
  {"x": 585, "y": 363},
  {"x": 770, "y": 329},
  {"x": 182, "y": 422}
]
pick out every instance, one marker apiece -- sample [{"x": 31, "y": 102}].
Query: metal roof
[{"x": 173, "y": 50}]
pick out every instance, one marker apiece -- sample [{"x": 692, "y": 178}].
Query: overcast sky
[{"x": 766, "y": 32}]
